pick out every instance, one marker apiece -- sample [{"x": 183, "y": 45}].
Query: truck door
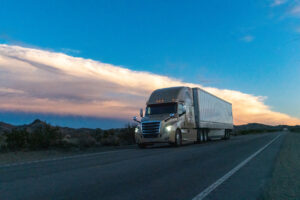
[{"x": 184, "y": 120}]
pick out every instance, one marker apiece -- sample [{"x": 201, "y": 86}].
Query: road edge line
[{"x": 213, "y": 186}]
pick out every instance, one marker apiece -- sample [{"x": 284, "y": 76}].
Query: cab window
[{"x": 181, "y": 109}]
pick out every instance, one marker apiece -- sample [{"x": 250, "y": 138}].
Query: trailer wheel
[
  {"x": 227, "y": 134},
  {"x": 201, "y": 136},
  {"x": 229, "y": 131},
  {"x": 178, "y": 138},
  {"x": 205, "y": 136}
]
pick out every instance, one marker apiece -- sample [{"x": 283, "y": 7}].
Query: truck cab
[{"x": 168, "y": 118}]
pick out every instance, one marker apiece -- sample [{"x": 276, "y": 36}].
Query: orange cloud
[{"x": 34, "y": 80}]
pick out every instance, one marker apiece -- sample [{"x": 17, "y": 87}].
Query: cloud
[
  {"x": 33, "y": 80},
  {"x": 295, "y": 11},
  {"x": 278, "y": 3},
  {"x": 247, "y": 38},
  {"x": 70, "y": 51}
]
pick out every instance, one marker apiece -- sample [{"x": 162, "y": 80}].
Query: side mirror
[
  {"x": 135, "y": 119},
  {"x": 141, "y": 112},
  {"x": 170, "y": 117}
]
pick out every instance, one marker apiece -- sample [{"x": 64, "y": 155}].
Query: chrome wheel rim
[{"x": 177, "y": 139}]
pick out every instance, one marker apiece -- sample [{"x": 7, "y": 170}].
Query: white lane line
[
  {"x": 209, "y": 189},
  {"x": 61, "y": 158}
]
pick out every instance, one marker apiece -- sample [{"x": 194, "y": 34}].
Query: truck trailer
[{"x": 179, "y": 115}]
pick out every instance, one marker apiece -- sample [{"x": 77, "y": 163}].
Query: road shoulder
[
  {"x": 285, "y": 181},
  {"x": 250, "y": 180}
]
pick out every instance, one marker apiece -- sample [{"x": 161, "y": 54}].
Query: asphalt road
[{"x": 154, "y": 173}]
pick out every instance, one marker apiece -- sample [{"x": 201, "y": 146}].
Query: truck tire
[
  {"x": 205, "y": 136},
  {"x": 228, "y": 134},
  {"x": 178, "y": 138},
  {"x": 225, "y": 135},
  {"x": 201, "y": 136}
]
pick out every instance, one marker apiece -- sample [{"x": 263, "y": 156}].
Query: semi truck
[{"x": 179, "y": 115}]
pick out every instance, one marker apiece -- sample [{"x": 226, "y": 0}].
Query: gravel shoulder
[{"x": 285, "y": 181}]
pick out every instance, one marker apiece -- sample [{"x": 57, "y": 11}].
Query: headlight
[
  {"x": 168, "y": 128},
  {"x": 136, "y": 130}
]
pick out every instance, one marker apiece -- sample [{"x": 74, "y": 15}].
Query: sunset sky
[{"x": 95, "y": 63}]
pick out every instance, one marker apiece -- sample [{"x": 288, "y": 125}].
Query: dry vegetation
[{"x": 42, "y": 136}]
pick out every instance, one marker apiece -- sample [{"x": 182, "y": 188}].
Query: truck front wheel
[{"x": 178, "y": 138}]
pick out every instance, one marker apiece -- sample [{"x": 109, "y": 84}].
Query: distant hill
[
  {"x": 257, "y": 126},
  {"x": 38, "y": 124},
  {"x": 5, "y": 127}
]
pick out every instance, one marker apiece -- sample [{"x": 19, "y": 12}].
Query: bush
[
  {"x": 17, "y": 139},
  {"x": 110, "y": 140},
  {"x": 86, "y": 141},
  {"x": 253, "y": 131},
  {"x": 127, "y": 134},
  {"x": 40, "y": 138},
  {"x": 43, "y": 138},
  {"x": 295, "y": 130},
  {"x": 41, "y": 135},
  {"x": 98, "y": 134},
  {"x": 3, "y": 144}
]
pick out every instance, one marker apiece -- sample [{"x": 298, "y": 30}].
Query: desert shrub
[
  {"x": 110, "y": 140},
  {"x": 126, "y": 134},
  {"x": 108, "y": 133},
  {"x": 2, "y": 142},
  {"x": 41, "y": 135},
  {"x": 40, "y": 138},
  {"x": 254, "y": 131},
  {"x": 43, "y": 138},
  {"x": 295, "y": 130},
  {"x": 16, "y": 139},
  {"x": 98, "y": 134},
  {"x": 86, "y": 141}
]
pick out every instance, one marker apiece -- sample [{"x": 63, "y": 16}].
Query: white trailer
[{"x": 212, "y": 113}]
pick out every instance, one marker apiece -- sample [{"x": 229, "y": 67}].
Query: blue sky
[{"x": 249, "y": 46}]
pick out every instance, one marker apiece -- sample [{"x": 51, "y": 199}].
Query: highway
[{"x": 235, "y": 169}]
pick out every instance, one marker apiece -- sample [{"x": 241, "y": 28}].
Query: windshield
[{"x": 161, "y": 109}]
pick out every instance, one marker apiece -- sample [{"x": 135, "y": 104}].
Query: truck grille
[{"x": 150, "y": 129}]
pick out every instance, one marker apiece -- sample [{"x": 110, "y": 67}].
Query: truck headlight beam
[
  {"x": 168, "y": 128},
  {"x": 136, "y": 130}
]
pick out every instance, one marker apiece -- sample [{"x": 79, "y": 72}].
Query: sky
[{"x": 95, "y": 63}]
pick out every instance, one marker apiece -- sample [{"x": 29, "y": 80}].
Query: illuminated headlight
[
  {"x": 136, "y": 130},
  {"x": 168, "y": 128}
]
